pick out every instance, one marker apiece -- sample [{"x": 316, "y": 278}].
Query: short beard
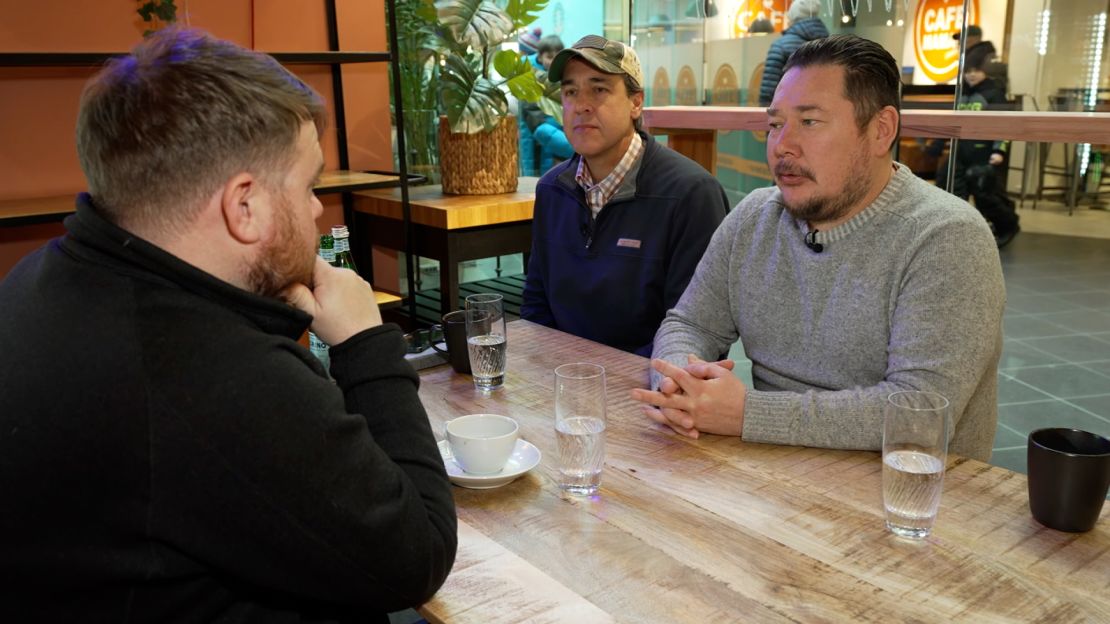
[
  {"x": 283, "y": 262},
  {"x": 825, "y": 208}
]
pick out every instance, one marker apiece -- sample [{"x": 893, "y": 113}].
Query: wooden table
[
  {"x": 449, "y": 228},
  {"x": 719, "y": 530}
]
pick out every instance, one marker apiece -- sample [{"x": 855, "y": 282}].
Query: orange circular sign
[
  {"x": 750, "y": 10},
  {"x": 938, "y": 54}
]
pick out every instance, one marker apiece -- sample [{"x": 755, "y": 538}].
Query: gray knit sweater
[{"x": 908, "y": 294}]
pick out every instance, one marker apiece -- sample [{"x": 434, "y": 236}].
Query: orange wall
[{"x": 38, "y": 105}]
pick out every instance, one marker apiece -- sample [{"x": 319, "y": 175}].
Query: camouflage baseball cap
[{"x": 611, "y": 57}]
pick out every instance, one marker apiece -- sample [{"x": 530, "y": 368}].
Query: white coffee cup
[{"x": 482, "y": 443}]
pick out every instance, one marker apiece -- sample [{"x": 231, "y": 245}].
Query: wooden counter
[
  {"x": 449, "y": 228},
  {"x": 719, "y": 530},
  {"x": 432, "y": 207}
]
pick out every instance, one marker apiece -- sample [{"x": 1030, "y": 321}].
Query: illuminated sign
[
  {"x": 938, "y": 54},
  {"x": 750, "y": 10}
]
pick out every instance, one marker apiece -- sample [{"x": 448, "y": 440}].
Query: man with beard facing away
[
  {"x": 850, "y": 280},
  {"x": 168, "y": 451}
]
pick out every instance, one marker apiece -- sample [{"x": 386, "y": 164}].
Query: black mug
[
  {"x": 453, "y": 329},
  {"x": 1069, "y": 475}
]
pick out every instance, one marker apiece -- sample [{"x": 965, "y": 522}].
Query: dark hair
[
  {"x": 871, "y": 77},
  {"x": 550, "y": 43},
  {"x": 161, "y": 129},
  {"x": 631, "y": 88}
]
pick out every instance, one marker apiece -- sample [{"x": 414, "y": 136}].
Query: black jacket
[
  {"x": 169, "y": 452},
  {"x": 612, "y": 279},
  {"x": 799, "y": 33}
]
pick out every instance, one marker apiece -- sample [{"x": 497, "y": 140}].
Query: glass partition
[{"x": 1043, "y": 55}]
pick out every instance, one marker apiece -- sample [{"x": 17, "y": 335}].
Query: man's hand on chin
[{"x": 341, "y": 303}]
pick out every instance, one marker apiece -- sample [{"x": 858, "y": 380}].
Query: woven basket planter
[{"x": 485, "y": 163}]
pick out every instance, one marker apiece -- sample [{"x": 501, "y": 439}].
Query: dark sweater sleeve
[
  {"x": 333, "y": 494},
  {"x": 534, "y": 302},
  {"x": 700, "y": 214}
]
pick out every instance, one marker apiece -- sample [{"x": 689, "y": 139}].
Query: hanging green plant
[
  {"x": 157, "y": 14},
  {"x": 469, "y": 34}
]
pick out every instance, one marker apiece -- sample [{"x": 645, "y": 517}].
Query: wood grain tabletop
[
  {"x": 432, "y": 207},
  {"x": 720, "y": 530}
]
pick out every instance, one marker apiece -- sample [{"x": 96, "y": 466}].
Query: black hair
[
  {"x": 550, "y": 43},
  {"x": 872, "y": 80}
]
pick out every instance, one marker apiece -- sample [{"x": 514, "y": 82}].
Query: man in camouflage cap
[{"x": 618, "y": 228}]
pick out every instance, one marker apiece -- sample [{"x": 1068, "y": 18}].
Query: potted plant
[
  {"x": 415, "y": 58},
  {"x": 477, "y": 132}
]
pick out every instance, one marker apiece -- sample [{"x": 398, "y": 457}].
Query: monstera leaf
[
  {"x": 552, "y": 101},
  {"x": 519, "y": 75},
  {"x": 473, "y": 103},
  {"x": 477, "y": 23},
  {"x": 524, "y": 12},
  {"x": 469, "y": 35}
]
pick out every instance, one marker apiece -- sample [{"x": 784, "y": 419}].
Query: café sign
[
  {"x": 747, "y": 11},
  {"x": 938, "y": 54}
]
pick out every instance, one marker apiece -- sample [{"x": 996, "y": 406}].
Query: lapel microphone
[{"x": 811, "y": 242}]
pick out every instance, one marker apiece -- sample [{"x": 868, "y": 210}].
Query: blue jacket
[
  {"x": 796, "y": 36},
  {"x": 613, "y": 279}
]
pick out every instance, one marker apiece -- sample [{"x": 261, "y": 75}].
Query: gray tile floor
[{"x": 1055, "y": 365}]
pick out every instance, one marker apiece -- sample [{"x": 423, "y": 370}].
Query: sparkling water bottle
[
  {"x": 318, "y": 347},
  {"x": 343, "y": 257}
]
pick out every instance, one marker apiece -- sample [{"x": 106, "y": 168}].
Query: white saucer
[{"x": 524, "y": 458}]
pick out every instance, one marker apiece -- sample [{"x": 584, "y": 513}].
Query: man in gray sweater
[{"x": 850, "y": 280}]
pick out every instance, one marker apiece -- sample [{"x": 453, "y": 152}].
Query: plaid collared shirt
[{"x": 598, "y": 194}]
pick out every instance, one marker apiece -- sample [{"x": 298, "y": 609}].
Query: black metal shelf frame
[{"x": 333, "y": 57}]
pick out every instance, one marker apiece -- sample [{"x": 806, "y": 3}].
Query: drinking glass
[
  {"x": 915, "y": 449},
  {"x": 580, "y": 426},
  {"x": 485, "y": 340}
]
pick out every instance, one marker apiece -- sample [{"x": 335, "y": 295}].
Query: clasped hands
[{"x": 703, "y": 397}]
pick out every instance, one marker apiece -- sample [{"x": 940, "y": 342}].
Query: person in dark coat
[
  {"x": 169, "y": 452},
  {"x": 977, "y": 53},
  {"x": 980, "y": 163},
  {"x": 804, "y": 26}
]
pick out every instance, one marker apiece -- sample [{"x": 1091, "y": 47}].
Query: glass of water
[
  {"x": 580, "y": 426},
  {"x": 915, "y": 449},
  {"x": 485, "y": 340}
]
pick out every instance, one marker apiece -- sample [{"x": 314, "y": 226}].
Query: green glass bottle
[
  {"x": 318, "y": 347},
  {"x": 343, "y": 257},
  {"x": 327, "y": 248}
]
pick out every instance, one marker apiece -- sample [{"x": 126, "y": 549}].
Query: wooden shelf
[
  {"x": 49, "y": 209},
  {"x": 341, "y": 181},
  {"x": 387, "y": 301},
  {"x": 36, "y": 210},
  {"x": 87, "y": 59}
]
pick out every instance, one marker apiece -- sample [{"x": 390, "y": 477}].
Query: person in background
[
  {"x": 761, "y": 25},
  {"x": 980, "y": 165},
  {"x": 551, "y": 144},
  {"x": 170, "y": 452},
  {"x": 849, "y": 280},
  {"x": 618, "y": 229},
  {"x": 804, "y": 26},
  {"x": 527, "y": 43},
  {"x": 977, "y": 53}
]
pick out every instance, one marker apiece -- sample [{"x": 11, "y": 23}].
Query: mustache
[{"x": 783, "y": 168}]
